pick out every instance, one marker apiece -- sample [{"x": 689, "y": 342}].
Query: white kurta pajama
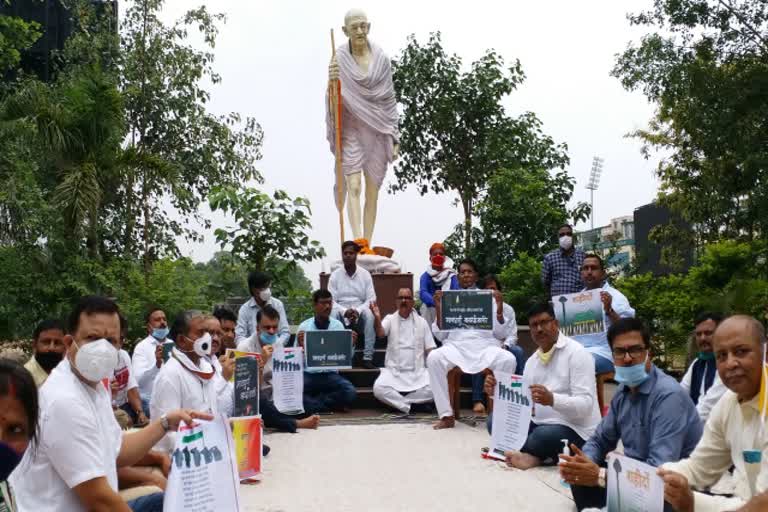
[
  {"x": 731, "y": 429},
  {"x": 405, "y": 371},
  {"x": 471, "y": 350}
]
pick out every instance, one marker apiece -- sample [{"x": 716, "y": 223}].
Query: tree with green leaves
[
  {"x": 177, "y": 150},
  {"x": 16, "y": 36},
  {"x": 455, "y": 132},
  {"x": 520, "y": 212},
  {"x": 704, "y": 63},
  {"x": 267, "y": 227}
]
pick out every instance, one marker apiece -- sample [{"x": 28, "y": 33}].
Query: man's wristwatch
[
  {"x": 601, "y": 478},
  {"x": 164, "y": 422}
]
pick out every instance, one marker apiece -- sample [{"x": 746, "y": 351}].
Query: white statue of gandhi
[{"x": 369, "y": 119}]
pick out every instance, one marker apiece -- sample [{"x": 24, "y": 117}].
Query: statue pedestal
[{"x": 385, "y": 285}]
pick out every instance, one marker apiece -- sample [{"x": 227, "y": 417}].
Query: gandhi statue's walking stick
[{"x": 334, "y": 97}]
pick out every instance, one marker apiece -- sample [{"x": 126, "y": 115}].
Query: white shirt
[
  {"x": 708, "y": 398},
  {"x": 355, "y": 291},
  {"x": 79, "y": 441},
  {"x": 178, "y": 388},
  {"x": 731, "y": 429},
  {"x": 511, "y": 325},
  {"x": 124, "y": 377},
  {"x": 570, "y": 377},
  {"x": 405, "y": 368},
  {"x": 145, "y": 365},
  {"x": 225, "y": 390}
]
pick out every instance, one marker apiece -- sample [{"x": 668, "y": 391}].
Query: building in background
[
  {"x": 626, "y": 242},
  {"x": 615, "y": 243},
  {"x": 56, "y": 25}
]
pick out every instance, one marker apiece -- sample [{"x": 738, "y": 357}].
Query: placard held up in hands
[
  {"x": 246, "y": 386},
  {"x": 328, "y": 350},
  {"x": 579, "y": 313},
  {"x": 467, "y": 309}
]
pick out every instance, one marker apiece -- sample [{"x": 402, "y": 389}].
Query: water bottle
[{"x": 566, "y": 451}]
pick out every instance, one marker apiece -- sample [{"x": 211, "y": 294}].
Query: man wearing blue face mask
[
  {"x": 324, "y": 390},
  {"x": 259, "y": 284},
  {"x": 263, "y": 342},
  {"x": 148, "y": 353},
  {"x": 650, "y": 414}
]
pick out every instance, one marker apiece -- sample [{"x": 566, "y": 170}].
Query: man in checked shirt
[{"x": 561, "y": 271}]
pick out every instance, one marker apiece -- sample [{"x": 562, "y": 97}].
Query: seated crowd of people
[{"x": 98, "y": 433}]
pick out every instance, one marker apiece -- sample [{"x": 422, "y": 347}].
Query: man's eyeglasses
[
  {"x": 634, "y": 352},
  {"x": 535, "y": 325},
  {"x": 404, "y": 298}
]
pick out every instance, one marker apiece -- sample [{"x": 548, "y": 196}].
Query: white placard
[
  {"x": 633, "y": 485},
  {"x": 511, "y": 414},
  {"x": 203, "y": 474},
  {"x": 288, "y": 379}
]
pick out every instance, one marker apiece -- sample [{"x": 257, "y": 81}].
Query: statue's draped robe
[{"x": 369, "y": 114}]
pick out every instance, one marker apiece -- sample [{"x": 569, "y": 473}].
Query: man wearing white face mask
[
  {"x": 187, "y": 379},
  {"x": 261, "y": 295},
  {"x": 561, "y": 271},
  {"x": 74, "y": 467}
]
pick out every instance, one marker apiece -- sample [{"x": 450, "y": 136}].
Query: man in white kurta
[
  {"x": 186, "y": 381},
  {"x": 404, "y": 379},
  {"x": 471, "y": 350},
  {"x": 734, "y": 434},
  {"x": 148, "y": 353},
  {"x": 352, "y": 289}
]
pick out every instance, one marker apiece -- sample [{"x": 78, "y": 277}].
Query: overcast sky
[{"x": 273, "y": 58}]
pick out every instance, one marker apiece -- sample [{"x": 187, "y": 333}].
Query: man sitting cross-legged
[
  {"x": 733, "y": 435},
  {"x": 471, "y": 350},
  {"x": 263, "y": 343},
  {"x": 324, "y": 390},
  {"x": 351, "y": 287},
  {"x": 561, "y": 375},
  {"x": 403, "y": 380}
]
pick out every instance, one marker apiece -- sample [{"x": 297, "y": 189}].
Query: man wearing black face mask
[{"x": 48, "y": 348}]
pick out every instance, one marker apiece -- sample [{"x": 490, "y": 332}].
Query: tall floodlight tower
[{"x": 594, "y": 182}]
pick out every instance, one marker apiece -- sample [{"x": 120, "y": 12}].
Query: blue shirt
[
  {"x": 427, "y": 289},
  {"x": 561, "y": 272},
  {"x": 656, "y": 425},
  {"x": 309, "y": 325}
]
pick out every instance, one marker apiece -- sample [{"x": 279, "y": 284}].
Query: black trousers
[{"x": 275, "y": 419}]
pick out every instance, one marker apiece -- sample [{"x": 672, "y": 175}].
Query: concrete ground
[{"x": 396, "y": 467}]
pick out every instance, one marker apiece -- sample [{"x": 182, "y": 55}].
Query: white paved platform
[{"x": 396, "y": 467}]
